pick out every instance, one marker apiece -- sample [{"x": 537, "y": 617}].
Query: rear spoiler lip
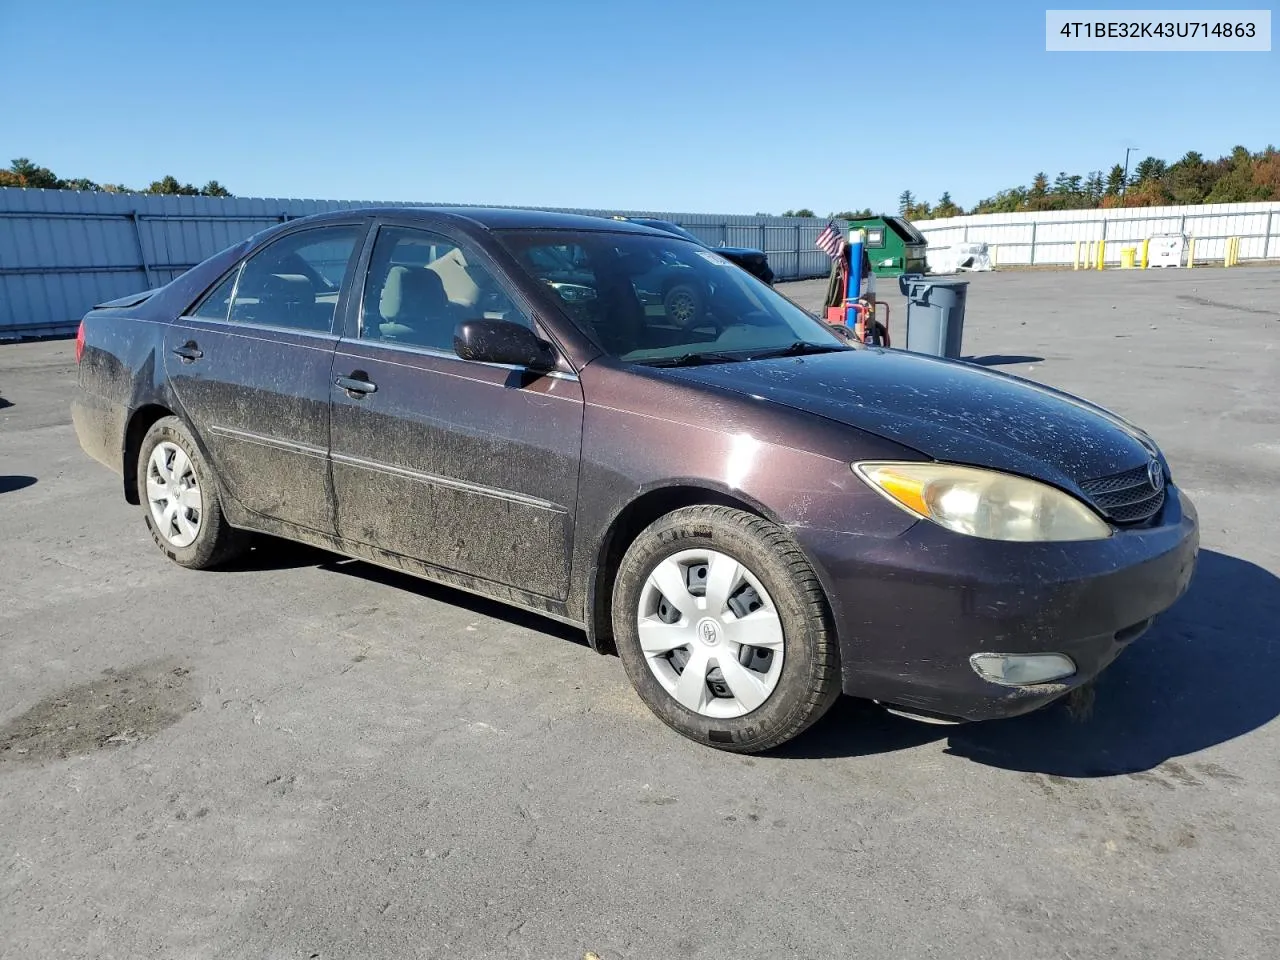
[{"x": 132, "y": 300}]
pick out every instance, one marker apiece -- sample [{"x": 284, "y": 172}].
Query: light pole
[{"x": 1125, "y": 185}]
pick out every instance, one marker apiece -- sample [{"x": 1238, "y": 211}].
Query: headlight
[
  {"x": 984, "y": 503},
  {"x": 573, "y": 292}
]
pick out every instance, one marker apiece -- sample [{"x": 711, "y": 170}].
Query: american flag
[{"x": 831, "y": 240}]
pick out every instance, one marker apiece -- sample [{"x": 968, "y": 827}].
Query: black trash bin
[{"x": 935, "y": 314}]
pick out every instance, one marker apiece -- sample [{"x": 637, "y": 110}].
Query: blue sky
[{"x": 684, "y": 105}]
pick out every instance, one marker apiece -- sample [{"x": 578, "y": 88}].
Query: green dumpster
[{"x": 893, "y": 244}]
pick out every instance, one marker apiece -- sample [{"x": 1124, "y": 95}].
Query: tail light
[{"x": 80, "y": 342}]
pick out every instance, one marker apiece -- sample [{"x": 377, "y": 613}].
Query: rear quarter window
[{"x": 217, "y": 304}]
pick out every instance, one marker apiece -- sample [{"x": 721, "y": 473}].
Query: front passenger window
[
  {"x": 421, "y": 286},
  {"x": 295, "y": 282}
]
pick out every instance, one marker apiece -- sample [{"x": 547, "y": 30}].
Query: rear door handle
[
  {"x": 357, "y": 385},
  {"x": 189, "y": 352}
]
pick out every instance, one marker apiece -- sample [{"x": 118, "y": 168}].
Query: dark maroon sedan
[{"x": 753, "y": 513}]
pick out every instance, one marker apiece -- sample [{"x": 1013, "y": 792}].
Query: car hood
[
  {"x": 946, "y": 410},
  {"x": 745, "y": 253}
]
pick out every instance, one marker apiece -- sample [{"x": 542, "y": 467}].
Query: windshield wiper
[
  {"x": 691, "y": 360},
  {"x": 797, "y": 349}
]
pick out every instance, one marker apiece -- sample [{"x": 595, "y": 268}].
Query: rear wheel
[
  {"x": 180, "y": 499},
  {"x": 722, "y": 626}
]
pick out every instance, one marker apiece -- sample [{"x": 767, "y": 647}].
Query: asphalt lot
[{"x": 314, "y": 758}]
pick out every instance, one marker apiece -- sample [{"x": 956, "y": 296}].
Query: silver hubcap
[
  {"x": 173, "y": 493},
  {"x": 710, "y": 633}
]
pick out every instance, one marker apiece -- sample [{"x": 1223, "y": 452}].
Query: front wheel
[
  {"x": 180, "y": 499},
  {"x": 723, "y": 629}
]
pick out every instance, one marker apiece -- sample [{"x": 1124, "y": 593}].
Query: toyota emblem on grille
[{"x": 1155, "y": 473}]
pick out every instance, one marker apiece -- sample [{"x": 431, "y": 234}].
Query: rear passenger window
[
  {"x": 217, "y": 304},
  {"x": 295, "y": 281}
]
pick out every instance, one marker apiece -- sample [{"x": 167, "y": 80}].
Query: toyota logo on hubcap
[{"x": 709, "y": 632}]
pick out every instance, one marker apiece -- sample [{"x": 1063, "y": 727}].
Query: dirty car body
[{"x": 331, "y": 413}]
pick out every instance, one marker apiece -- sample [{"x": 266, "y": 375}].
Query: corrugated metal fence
[
  {"x": 1050, "y": 237},
  {"x": 62, "y": 251}
]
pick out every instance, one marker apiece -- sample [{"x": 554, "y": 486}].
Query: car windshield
[{"x": 663, "y": 300}]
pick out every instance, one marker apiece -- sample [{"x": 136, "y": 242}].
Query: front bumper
[{"x": 910, "y": 611}]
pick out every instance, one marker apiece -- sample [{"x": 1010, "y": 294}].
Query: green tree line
[
  {"x": 1239, "y": 177},
  {"x": 23, "y": 173}
]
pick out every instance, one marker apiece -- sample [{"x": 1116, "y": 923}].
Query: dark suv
[{"x": 755, "y": 262}]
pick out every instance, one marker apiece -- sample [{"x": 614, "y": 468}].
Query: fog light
[{"x": 1021, "y": 669}]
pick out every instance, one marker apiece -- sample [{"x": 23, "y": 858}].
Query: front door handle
[
  {"x": 189, "y": 352},
  {"x": 357, "y": 384}
]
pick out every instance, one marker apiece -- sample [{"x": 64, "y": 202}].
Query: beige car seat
[
  {"x": 414, "y": 308},
  {"x": 284, "y": 299}
]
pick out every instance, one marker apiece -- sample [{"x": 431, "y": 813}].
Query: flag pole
[{"x": 854, "y": 288}]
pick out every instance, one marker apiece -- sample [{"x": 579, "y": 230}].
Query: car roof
[
  {"x": 667, "y": 225},
  {"x": 491, "y": 218}
]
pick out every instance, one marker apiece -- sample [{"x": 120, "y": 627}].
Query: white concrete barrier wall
[{"x": 1050, "y": 237}]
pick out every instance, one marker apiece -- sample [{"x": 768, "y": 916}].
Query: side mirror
[{"x": 500, "y": 341}]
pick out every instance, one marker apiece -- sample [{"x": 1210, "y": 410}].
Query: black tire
[
  {"x": 216, "y": 541},
  {"x": 810, "y": 677},
  {"x": 684, "y": 304}
]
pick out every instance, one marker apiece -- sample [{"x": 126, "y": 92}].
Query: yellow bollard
[
  {"x": 995, "y": 257},
  {"x": 1075, "y": 262},
  {"x": 1232, "y": 256},
  {"x": 1102, "y": 254},
  {"x": 1146, "y": 244},
  {"x": 1191, "y": 253}
]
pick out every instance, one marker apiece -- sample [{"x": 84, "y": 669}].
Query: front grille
[{"x": 1127, "y": 497}]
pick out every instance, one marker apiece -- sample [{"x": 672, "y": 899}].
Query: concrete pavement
[{"x": 310, "y": 757}]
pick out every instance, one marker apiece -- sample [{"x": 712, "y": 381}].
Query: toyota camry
[{"x": 753, "y": 513}]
